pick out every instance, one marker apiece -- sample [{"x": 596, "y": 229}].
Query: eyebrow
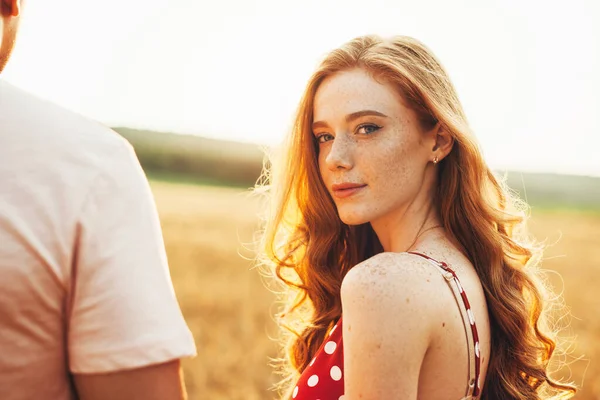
[{"x": 351, "y": 117}]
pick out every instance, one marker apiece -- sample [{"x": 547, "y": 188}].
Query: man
[{"x": 87, "y": 308}]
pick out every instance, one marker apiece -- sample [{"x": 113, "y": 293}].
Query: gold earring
[{"x": 435, "y": 160}]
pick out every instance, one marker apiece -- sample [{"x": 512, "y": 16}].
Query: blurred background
[{"x": 200, "y": 88}]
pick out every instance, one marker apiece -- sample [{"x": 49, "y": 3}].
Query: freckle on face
[{"x": 387, "y": 161}]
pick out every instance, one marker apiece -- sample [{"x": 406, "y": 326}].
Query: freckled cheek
[{"x": 388, "y": 172}]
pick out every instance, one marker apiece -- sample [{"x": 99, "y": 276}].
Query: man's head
[{"x": 10, "y": 12}]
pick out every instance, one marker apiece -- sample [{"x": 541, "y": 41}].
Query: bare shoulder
[
  {"x": 398, "y": 283},
  {"x": 391, "y": 305},
  {"x": 396, "y": 275}
]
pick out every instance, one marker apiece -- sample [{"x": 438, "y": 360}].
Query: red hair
[{"x": 311, "y": 250}]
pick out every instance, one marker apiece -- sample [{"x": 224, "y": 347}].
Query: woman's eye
[
  {"x": 324, "y": 137},
  {"x": 367, "y": 129}
]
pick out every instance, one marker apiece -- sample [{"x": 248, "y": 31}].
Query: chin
[{"x": 352, "y": 216}]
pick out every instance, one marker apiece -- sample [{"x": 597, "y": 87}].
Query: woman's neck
[{"x": 400, "y": 230}]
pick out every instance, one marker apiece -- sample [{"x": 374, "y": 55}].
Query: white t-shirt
[{"x": 84, "y": 280}]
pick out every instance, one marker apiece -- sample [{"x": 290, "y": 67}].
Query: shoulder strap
[{"x": 473, "y": 388}]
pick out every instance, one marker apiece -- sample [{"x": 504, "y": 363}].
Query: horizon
[
  {"x": 525, "y": 72},
  {"x": 259, "y": 145}
]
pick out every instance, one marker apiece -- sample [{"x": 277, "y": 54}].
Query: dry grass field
[{"x": 229, "y": 310}]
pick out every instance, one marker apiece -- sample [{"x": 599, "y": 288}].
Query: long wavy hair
[{"x": 308, "y": 250}]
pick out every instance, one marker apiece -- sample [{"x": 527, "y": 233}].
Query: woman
[{"x": 411, "y": 272}]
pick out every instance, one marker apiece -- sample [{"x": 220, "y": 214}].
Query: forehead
[{"x": 350, "y": 91}]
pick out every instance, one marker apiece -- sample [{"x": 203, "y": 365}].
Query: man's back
[{"x": 84, "y": 284}]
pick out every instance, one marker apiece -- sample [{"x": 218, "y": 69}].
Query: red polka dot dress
[{"x": 323, "y": 378}]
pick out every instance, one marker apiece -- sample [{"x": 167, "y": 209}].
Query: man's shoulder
[{"x": 53, "y": 133}]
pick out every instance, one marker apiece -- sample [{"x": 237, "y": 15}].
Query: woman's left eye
[{"x": 368, "y": 129}]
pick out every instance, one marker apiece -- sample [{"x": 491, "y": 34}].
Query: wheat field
[{"x": 206, "y": 232}]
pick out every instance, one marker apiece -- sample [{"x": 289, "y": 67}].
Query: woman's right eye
[{"x": 324, "y": 137}]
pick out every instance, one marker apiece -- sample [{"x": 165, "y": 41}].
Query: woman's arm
[{"x": 390, "y": 308}]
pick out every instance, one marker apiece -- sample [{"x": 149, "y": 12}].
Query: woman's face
[{"x": 372, "y": 151}]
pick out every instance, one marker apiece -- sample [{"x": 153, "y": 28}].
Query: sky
[{"x": 525, "y": 71}]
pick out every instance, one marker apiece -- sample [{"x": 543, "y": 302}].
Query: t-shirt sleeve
[{"x": 124, "y": 313}]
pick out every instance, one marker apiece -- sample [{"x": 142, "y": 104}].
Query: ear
[
  {"x": 11, "y": 8},
  {"x": 443, "y": 143}
]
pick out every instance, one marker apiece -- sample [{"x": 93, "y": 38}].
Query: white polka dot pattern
[
  {"x": 295, "y": 392},
  {"x": 323, "y": 377},
  {"x": 330, "y": 347},
  {"x": 336, "y": 373}
]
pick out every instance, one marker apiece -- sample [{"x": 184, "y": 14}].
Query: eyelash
[{"x": 377, "y": 127}]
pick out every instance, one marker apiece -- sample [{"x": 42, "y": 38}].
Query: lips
[{"x": 344, "y": 190}]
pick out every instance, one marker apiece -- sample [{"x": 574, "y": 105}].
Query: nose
[{"x": 340, "y": 153}]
